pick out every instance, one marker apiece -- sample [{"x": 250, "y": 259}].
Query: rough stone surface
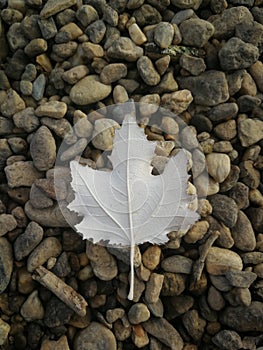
[
  {"x": 250, "y": 131},
  {"x": 6, "y": 263},
  {"x": 224, "y": 209},
  {"x": 4, "y": 331},
  {"x": 218, "y": 166},
  {"x": 220, "y": 260},
  {"x": 124, "y": 48},
  {"x": 243, "y": 233},
  {"x": 196, "y": 32},
  {"x": 22, "y": 174},
  {"x": 7, "y": 223}
]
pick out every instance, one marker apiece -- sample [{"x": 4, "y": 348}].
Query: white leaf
[{"x": 129, "y": 205}]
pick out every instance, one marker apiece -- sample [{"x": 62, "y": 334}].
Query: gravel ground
[{"x": 61, "y": 60}]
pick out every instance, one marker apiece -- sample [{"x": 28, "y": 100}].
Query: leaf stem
[{"x": 131, "y": 292}]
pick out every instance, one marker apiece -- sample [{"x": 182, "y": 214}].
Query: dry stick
[
  {"x": 62, "y": 290},
  {"x": 203, "y": 250}
]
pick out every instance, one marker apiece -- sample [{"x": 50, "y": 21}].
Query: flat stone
[
  {"x": 22, "y": 174},
  {"x": 60, "y": 344},
  {"x": 38, "y": 87},
  {"x": 52, "y": 7},
  {"x": 27, "y": 241},
  {"x": 95, "y": 337},
  {"x": 96, "y": 31},
  {"x": 49, "y": 247},
  {"x": 62, "y": 128},
  {"x": 236, "y": 54},
  {"x": 52, "y": 109},
  {"x": 43, "y": 149},
  {"x": 226, "y": 131},
  {"x": 36, "y": 47},
  {"x": 243, "y": 233},
  {"x": 161, "y": 329},
  {"x": 194, "y": 65},
  {"x": 220, "y": 260},
  {"x": 218, "y": 166},
  {"x": 244, "y": 318},
  {"x": 208, "y": 89},
  {"x": 89, "y": 90},
  {"x": 6, "y": 263},
  {"x": 47, "y": 27},
  {"x": 151, "y": 257},
  {"x": 136, "y": 34},
  {"x": 224, "y": 209},
  {"x": 250, "y": 131},
  {"x": 196, "y": 32},
  {"x": 73, "y": 75},
  {"x": 7, "y": 223},
  {"x": 87, "y": 14}
]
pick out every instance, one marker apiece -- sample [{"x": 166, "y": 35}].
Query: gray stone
[
  {"x": 223, "y": 112},
  {"x": 6, "y": 126},
  {"x": 153, "y": 288},
  {"x": 209, "y": 88},
  {"x": 227, "y": 340},
  {"x": 241, "y": 279},
  {"x": 57, "y": 313},
  {"x": 194, "y": 65},
  {"x": 124, "y": 49},
  {"x": 73, "y": 75},
  {"x": 47, "y": 27},
  {"x": 147, "y": 15},
  {"x": 96, "y": 31},
  {"x": 165, "y": 332},
  {"x": 239, "y": 192},
  {"x": 194, "y": 324},
  {"x": 123, "y": 254},
  {"x": 196, "y": 32},
  {"x": 7, "y": 223},
  {"x": 6, "y": 263},
  {"x": 113, "y": 72},
  {"x": 26, "y": 120},
  {"x": 95, "y": 337},
  {"x": 250, "y": 131},
  {"x": 27, "y": 241},
  {"x": 89, "y": 90},
  {"x": 12, "y": 104},
  {"x": 177, "y": 264},
  {"x": 32, "y": 309},
  {"x": 103, "y": 133},
  {"x": 38, "y": 88},
  {"x": 15, "y": 37},
  {"x": 138, "y": 313},
  {"x": 52, "y": 7},
  {"x": 5, "y": 152},
  {"x": 163, "y": 34},
  {"x": 43, "y": 149},
  {"x": 62, "y": 128},
  {"x": 251, "y": 32},
  {"x": 236, "y": 54},
  {"x": 220, "y": 260},
  {"x": 52, "y": 109},
  {"x": 87, "y": 14},
  {"x": 147, "y": 71},
  {"x": 21, "y": 174},
  {"x": 243, "y": 234},
  {"x": 75, "y": 150},
  {"x": 224, "y": 209}
]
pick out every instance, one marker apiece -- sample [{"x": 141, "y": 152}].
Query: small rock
[
  {"x": 226, "y": 131},
  {"x": 95, "y": 336},
  {"x": 120, "y": 94},
  {"x": 26, "y": 87},
  {"x": 137, "y": 36},
  {"x": 177, "y": 264},
  {"x": 244, "y": 318},
  {"x": 96, "y": 31},
  {"x": 227, "y": 340},
  {"x": 215, "y": 299},
  {"x": 32, "y": 309},
  {"x": 163, "y": 34},
  {"x": 73, "y": 75},
  {"x": 173, "y": 284},
  {"x": 52, "y": 7},
  {"x": 112, "y": 315},
  {"x": 49, "y": 247},
  {"x": 223, "y": 111},
  {"x": 231, "y": 180},
  {"x": 221, "y": 283},
  {"x": 220, "y": 260},
  {"x": 161, "y": 329},
  {"x": 224, "y": 209},
  {"x": 113, "y": 72},
  {"x": 36, "y": 47},
  {"x": 4, "y": 331},
  {"x": 12, "y": 104},
  {"x": 147, "y": 71},
  {"x": 87, "y": 14},
  {"x": 43, "y": 149},
  {"x": 194, "y": 65},
  {"x": 256, "y": 71},
  {"x": 209, "y": 88},
  {"x": 103, "y": 133},
  {"x": 243, "y": 233},
  {"x": 162, "y": 64},
  {"x": 249, "y": 175},
  {"x": 52, "y": 109},
  {"x": 6, "y": 263},
  {"x": 62, "y": 128},
  {"x": 196, "y": 32},
  {"x": 123, "y": 254},
  {"x": 138, "y": 313},
  {"x": 177, "y": 101},
  {"x": 196, "y": 232},
  {"x": 38, "y": 199},
  {"x": 218, "y": 166},
  {"x": 239, "y": 192},
  {"x": 21, "y": 174},
  {"x": 236, "y": 54},
  {"x": 75, "y": 150},
  {"x": 194, "y": 324},
  {"x": 27, "y": 241},
  {"x": 60, "y": 344},
  {"x": 147, "y": 15},
  {"x": 124, "y": 49},
  {"x": 47, "y": 27},
  {"x": 7, "y": 223},
  {"x": 241, "y": 279},
  {"x": 139, "y": 336},
  {"x": 151, "y": 257},
  {"x": 250, "y": 131},
  {"x": 153, "y": 288},
  {"x": 26, "y": 120},
  {"x": 103, "y": 263},
  {"x": 56, "y": 313}
]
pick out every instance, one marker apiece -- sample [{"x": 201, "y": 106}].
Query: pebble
[
  {"x": 123, "y": 254},
  {"x": 4, "y": 331},
  {"x": 173, "y": 284},
  {"x": 138, "y": 313},
  {"x": 194, "y": 324},
  {"x": 249, "y": 175},
  {"x": 226, "y": 131},
  {"x": 194, "y": 65},
  {"x": 26, "y": 120},
  {"x": 243, "y": 233},
  {"x": 147, "y": 71},
  {"x": 112, "y": 315},
  {"x": 224, "y": 209},
  {"x": 147, "y": 15},
  {"x": 52, "y": 109},
  {"x": 27, "y": 241},
  {"x": 47, "y": 27},
  {"x": 241, "y": 279},
  {"x": 89, "y": 90},
  {"x": 240, "y": 192},
  {"x": 36, "y": 47},
  {"x": 62, "y": 128},
  {"x": 208, "y": 89},
  {"x": 227, "y": 340},
  {"x": 231, "y": 180},
  {"x": 112, "y": 73},
  {"x": 120, "y": 94},
  {"x": 161, "y": 329},
  {"x": 6, "y": 263},
  {"x": 95, "y": 336},
  {"x": 22, "y": 173},
  {"x": 236, "y": 54},
  {"x": 32, "y": 309},
  {"x": 38, "y": 198},
  {"x": 139, "y": 336},
  {"x": 177, "y": 101},
  {"x": 244, "y": 318},
  {"x": 177, "y": 264},
  {"x": 52, "y": 7},
  {"x": 164, "y": 34},
  {"x": 196, "y": 32},
  {"x": 223, "y": 111},
  {"x": 7, "y": 223},
  {"x": 250, "y": 131},
  {"x": 12, "y": 104},
  {"x": 256, "y": 72},
  {"x": 198, "y": 230},
  {"x": 60, "y": 344},
  {"x": 124, "y": 49},
  {"x": 151, "y": 257},
  {"x": 103, "y": 263},
  {"x": 215, "y": 299},
  {"x": 153, "y": 288},
  {"x": 75, "y": 150},
  {"x": 49, "y": 247},
  {"x": 220, "y": 260},
  {"x": 56, "y": 313},
  {"x": 103, "y": 133},
  {"x": 43, "y": 149},
  {"x": 136, "y": 34},
  {"x": 218, "y": 166},
  {"x": 96, "y": 31}
]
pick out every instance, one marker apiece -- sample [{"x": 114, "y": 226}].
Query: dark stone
[
  {"x": 227, "y": 340},
  {"x": 201, "y": 123},
  {"x": 248, "y": 174},
  {"x": 57, "y": 313},
  {"x": 256, "y": 217},
  {"x": 251, "y": 32},
  {"x": 6, "y": 263},
  {"x": 222, "y": 112},
  {"x": 16, "y": 65},
  {"x": 231, "y": 180},
  {"x": 224, "y": 209},
  {"x": 196, "y": 32},
  {"x": 239, "y": 192},
  {"x": 194, "y": 65},
  {"x": 96, "y": 31},
  {"x": 62, "y": 268},
  {"x": 146, "y": 15},
  {"x": 247, "y": 103}
]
